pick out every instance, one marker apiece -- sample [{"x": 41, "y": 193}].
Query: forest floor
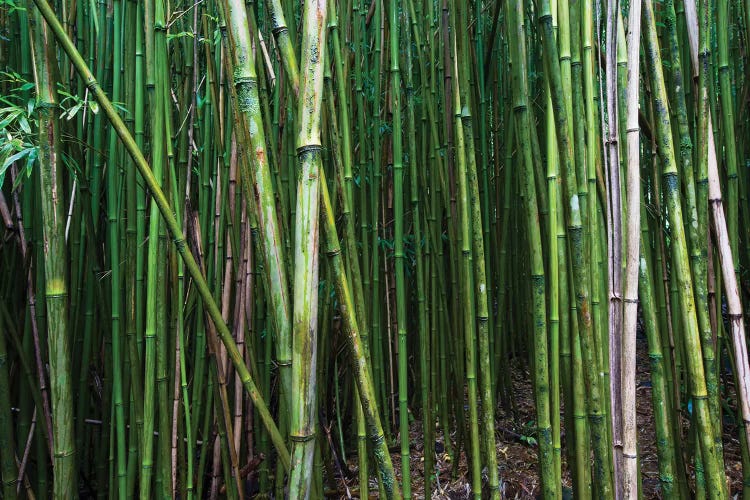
[{"x": 517, "y": 459}]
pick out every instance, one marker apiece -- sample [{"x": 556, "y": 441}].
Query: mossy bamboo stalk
[
  {"x": 256, "y": 181},
  {"x": 465, "y": 270},
  {"x": 682, "y": 270},
  {"x": 385, "y": 469},
  {"x": 305, "y": 314},
  {"x": 528, "y": 186},
  {"x": 577, "y": 248}
]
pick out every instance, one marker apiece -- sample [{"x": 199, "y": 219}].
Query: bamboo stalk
[
  {"x": 55, "y": 256},
  {"x": 630, "y": 481},
  {"x": 305, "y": 315}
]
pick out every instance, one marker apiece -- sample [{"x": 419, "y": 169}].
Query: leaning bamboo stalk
[
  {"x": 734, "y": 304},
  {"x": 258, "y": 185},
  {"x": 362, "y": 370},
  {"x": 177, "y": 236},
  {"x": 353, "y": 263}
]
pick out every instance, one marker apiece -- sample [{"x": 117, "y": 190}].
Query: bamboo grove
[{"x": 303, "y": 249}]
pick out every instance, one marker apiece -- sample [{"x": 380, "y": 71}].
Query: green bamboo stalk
[
  {"x": 428, "y": 421},
  {"x": 663, "y": 427},
  {"x": 558, "y": 343},
  {"x": 466, "y": 274},
  {"x": 305, "y": 314},
  {"x": 528, "y": 186},
  {"x": 398, "y": 242},
  {"x": 55, "y": 261},
  {"x": 700, "y": 250},
  {"x": 363, "y": 376},
  {"x": 728, "y": 127},
  {"x": 156, "y": 96},
  {"x": 113, "y": 174},
  {"x": 132, "y": 251},
  {"x": 481, "y": 283}
]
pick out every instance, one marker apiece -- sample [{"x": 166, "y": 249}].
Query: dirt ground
[{"x": 517, "y": 459}]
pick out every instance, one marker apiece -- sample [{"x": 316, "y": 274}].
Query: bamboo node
[
  {"x": 278, "y": 30},
  {"x": 302, "y": 438},
  {"x": 309, "y": 148},
  {"x": 92, "y": 84}
]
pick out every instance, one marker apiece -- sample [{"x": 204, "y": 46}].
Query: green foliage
[
  {"x": 17, "y": 126},
  {"x": 19, "y": 122},
  {"x": 11, "y": 5}
]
